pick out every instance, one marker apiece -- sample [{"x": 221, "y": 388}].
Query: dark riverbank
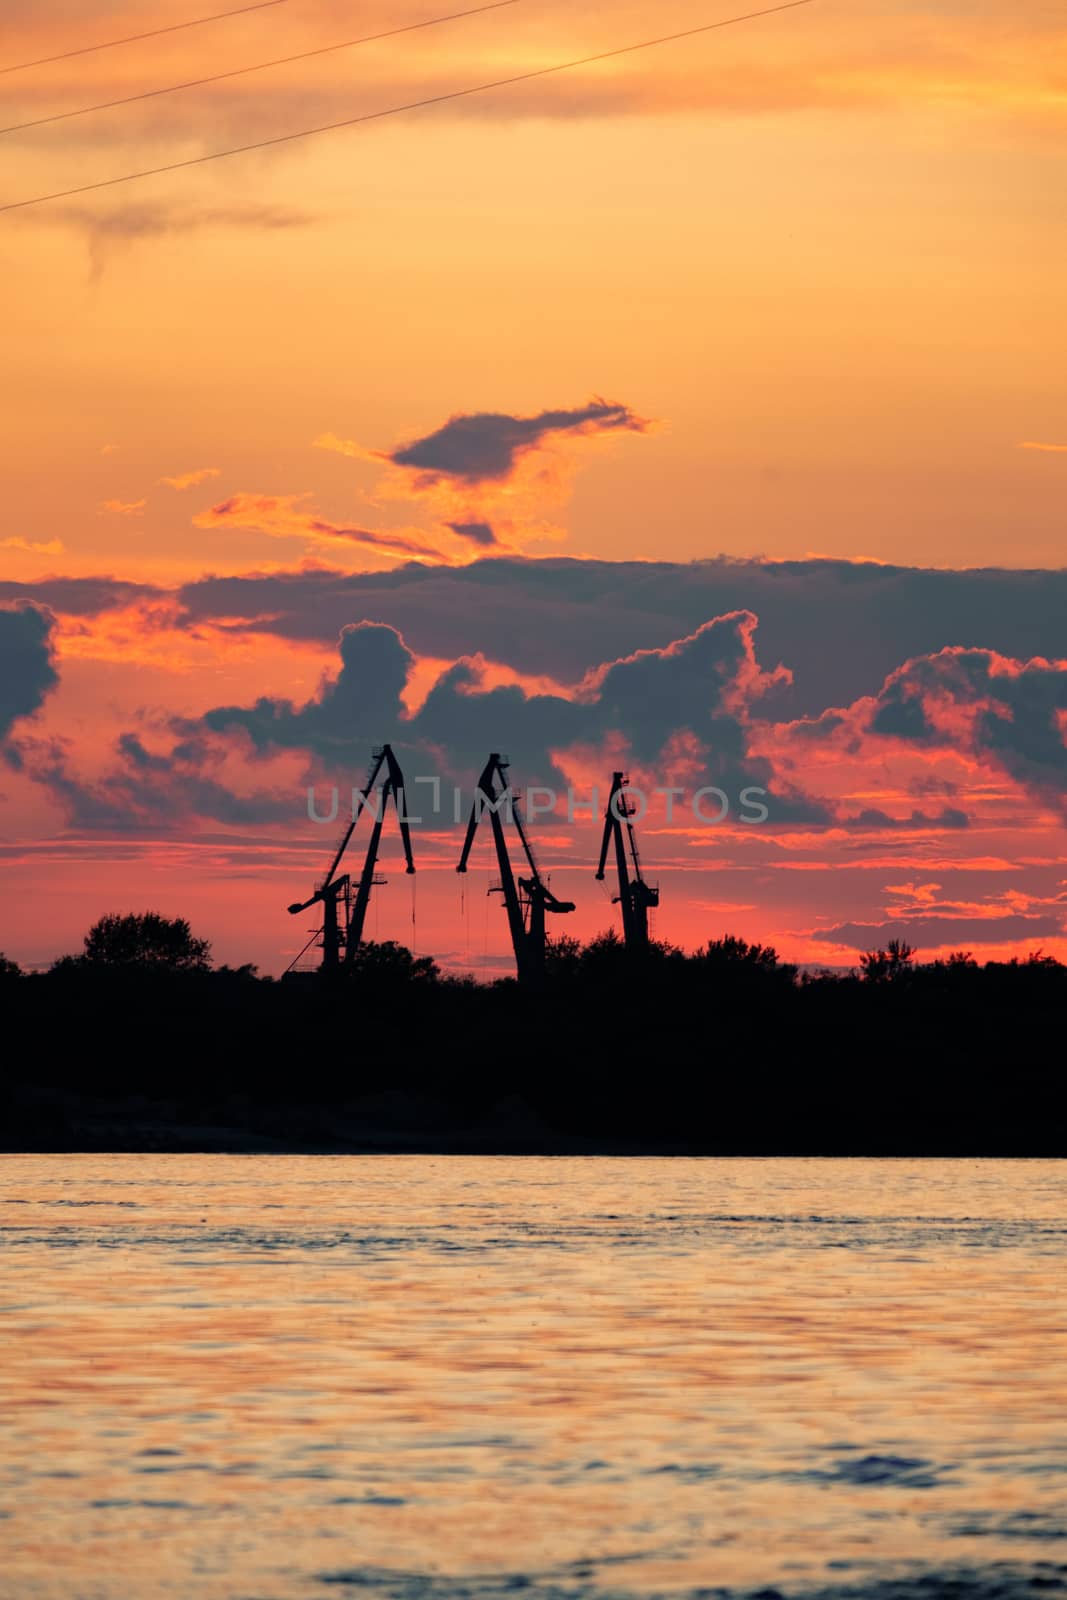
[
  {"x": 62, "y": 1125},
  {"x": 726, "y": 1055}
]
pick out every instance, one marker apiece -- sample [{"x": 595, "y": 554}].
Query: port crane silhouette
[
  {"x": 344, "y": 903},
  {"x": 636, "y": 898},
  {"x": 526, "y": 898}
]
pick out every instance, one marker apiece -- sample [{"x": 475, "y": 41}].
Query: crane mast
[
  {"x": 344, "y": 910},
  {"x": 526, "y": 898},
  {"x": 635, "y": 897}
]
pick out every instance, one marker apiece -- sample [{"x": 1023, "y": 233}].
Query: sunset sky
[{"x": 700, "y": 412}]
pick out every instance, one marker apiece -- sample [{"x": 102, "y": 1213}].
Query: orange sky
[{"x": 816, "y": 259}]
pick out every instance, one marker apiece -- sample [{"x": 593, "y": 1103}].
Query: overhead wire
[
  {"x": 259, "y": 66},
  {"x": 135, "y": 38},
  {"x": 411, "y": 105}
]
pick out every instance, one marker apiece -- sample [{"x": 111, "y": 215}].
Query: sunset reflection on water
[{"x": 279, "y": 1377}]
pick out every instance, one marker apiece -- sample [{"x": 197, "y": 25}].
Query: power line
[
  {"x": 395, "y": 111},
  {"x": 133, "y": 38},
  {"x": 238, "y": 72}
]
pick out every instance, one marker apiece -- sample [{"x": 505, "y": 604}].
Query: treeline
[{"x": 138, "y": 1042}]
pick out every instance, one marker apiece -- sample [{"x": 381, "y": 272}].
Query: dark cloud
[
  {"x": 842, "y": 628},
  {"x": 485, "y": 446},
  {"x": 476, "y": 532},
  {"x": 872, "y": 817},
  {"x": 977, "y": 702},
  {"x": 634, "y": 641},
  {"x": 153, "y": 219},
  {"x": 132, "y": 749},
  {"x": 902, "y": 718},
  {"x": 78, "y": 597},
  {"x": 145, "y": 791},
  {"x": 935, "y": 932},
  {"x": 699, "y": 686},
  {"x": 27, "y": 672},
  {"x": 349, "y": 710},
  {"x": 106, "y": 231}
]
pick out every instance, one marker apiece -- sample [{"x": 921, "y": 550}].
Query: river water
[{"x": 272, "y": 1378}]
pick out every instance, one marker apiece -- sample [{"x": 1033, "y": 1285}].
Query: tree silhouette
[
  {"x": 394, "y": 964},
  {"x": 9, "y": 969},
  {"x": 145, "y": 939},
  {"x": 731, "y": 959},
  {"x": 603, "y": 959},
  {"x": 888, "y": 965},
  {"x": 1038, "y": 958},
  {"x": 732, "y": 951}
]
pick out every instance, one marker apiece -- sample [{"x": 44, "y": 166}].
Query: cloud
[
  {"x": 189, "y": 480},
  {"x": 78, "y": 597},
  {"x": 874, "y": 818},
  {"x": 486, "y": 446},
  {"x": 841, "y": 627},
  {"x": 107, "y": 232},
  {"x": 146, "y": 791},
  {"x": 342, "y": 447},
  {"x": 477, "y": 532},
  {"x": 936, "y": 932},
  {"x": 1051, "y": 449},
  {"x": 349, "y": 709},
  {"x": 148, "y": 219},
  {"x": 556, "y": 656},
  {"x": 688, "y": 704},
  {"x": 124, "y": 508},
  {"x": 54, "y": 547},
  {"x": 897, "y": 53},
  {"x": 1012, "y": 714},
  {"x": 281, "y": 517},
  {"x": 491, "y": 479},
  {"x": 27, "y": 672}
]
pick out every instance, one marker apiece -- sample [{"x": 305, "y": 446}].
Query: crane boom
[
  {"x": 527, "y": 898},
  {"x": 635, "y": 897},
  {"x": 345, "y": 932}
]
